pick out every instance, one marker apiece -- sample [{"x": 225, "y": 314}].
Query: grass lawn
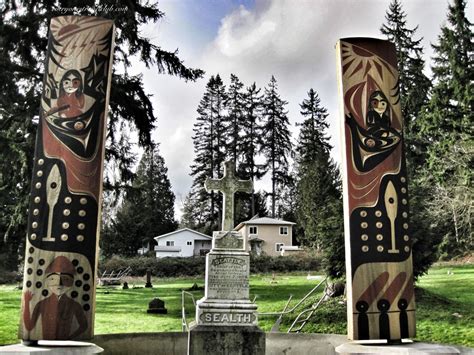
[{"x": 445, "y": 306}]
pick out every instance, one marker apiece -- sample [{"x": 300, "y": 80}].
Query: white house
[{"x": 183, "y": 243}]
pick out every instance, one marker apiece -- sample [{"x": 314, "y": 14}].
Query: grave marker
[
  {"x": 380, "y": 292},
  {"x": 58, "y": 300},
  {"x": 226, "y": 320}
]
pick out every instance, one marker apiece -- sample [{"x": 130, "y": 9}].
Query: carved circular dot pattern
[
  {"x": 64, "y": 237},
  {"x": 40, "y": 162},
  {"x": 36, "y": 212},
  {"x": 379, "y": 224},
  {"x": 65, "y": 225},
  {"x": 365, "y": 248},
  {"x": 378, "y": 213},
  {"x": 66, "y": 212},
  {"x": 363, "y": 213},
  {"x": 406, "y": 238},
  {"x": 82, "y": 213},
  {"x": 39, "y": 173},
  {"x": 80, "y": 238},
  {"x": 33, "y": 236},
  {"x": 68, "y": 200},
  {"x": 364, "y": 237},
  {"x": 380, "y": 248},
  {"x": 34, "y": 224},
  {"x": 364, "y": 225},
  {"x": 379, "y": 237},
  {"x": 38, "y": 185},
  {"x": 83, "y": 201},
  {"x": 37, "y": 199}
]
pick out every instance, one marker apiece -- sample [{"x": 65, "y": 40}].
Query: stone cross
[{"x": 228, "y": 185}]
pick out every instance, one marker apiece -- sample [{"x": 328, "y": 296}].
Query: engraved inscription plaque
[{"x": 228, "y": 277}]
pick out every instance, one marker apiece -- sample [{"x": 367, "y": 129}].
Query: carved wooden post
[
  {"x": 380, "y": 297},
  {"x": 58, "y": 300}
]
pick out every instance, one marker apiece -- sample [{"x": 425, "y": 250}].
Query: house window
[
  {"x": 189, "y": 242},
  {"x": 170, "y": 243},
  {"x": 283, "y": 230},
  {"x": 253, "y": 230},
  {"x": 278, "y": 246}
]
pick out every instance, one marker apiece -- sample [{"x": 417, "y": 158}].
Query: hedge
[{"x": 194, "y": 266}]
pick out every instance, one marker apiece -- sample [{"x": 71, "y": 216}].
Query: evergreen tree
[
  {"x": 234, "y": 120},
  {"x": 276, "y": 145},
  {"x": 209, "y": 148},
  {"x": 23, "y": 31},
  {"x": 318, "y": 197},
  {"x": 250, "y": 143},
  {"x": 147, "y": 210},
  {"x": 413, "y": 84},
  {"x": 446, "y": 131},
  {"x": 413, "y": 88}
]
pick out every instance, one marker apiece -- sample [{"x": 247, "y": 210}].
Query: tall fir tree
[
  {"x": 413, "y": 85},
  {"x": 234, "y": 119},
  {"x": 250, "y": 143},
  {"x": 414, "y": 89},
  {"x": 318, "y": 195},
  {"x": 147, "y": 210},
  {"x": 23, "y": 39},
  {"x": 446, "y": 131},
  {"x": 276, "y": 144},
  {"x": 210, "y": 150}
]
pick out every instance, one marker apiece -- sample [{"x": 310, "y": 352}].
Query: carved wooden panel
[
  {"x": 380, "y": 294},
  {"x": 64, "y": 215}
]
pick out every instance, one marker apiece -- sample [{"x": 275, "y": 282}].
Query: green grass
[{"x": 439, "y": 296}]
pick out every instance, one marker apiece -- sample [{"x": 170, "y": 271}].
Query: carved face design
[
  {"x": 59, "y": 283},
  {"x": 378, "y": 102},
  {"x": 71, "y": 82}
]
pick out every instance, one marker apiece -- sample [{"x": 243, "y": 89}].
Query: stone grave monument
[
  {"x": 226, "y": 320},
  {"x": 148, "y": 283},
  {"x": 58, "y": 298}
]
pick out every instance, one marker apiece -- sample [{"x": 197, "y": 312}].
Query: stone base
[
  {"x": 226, "y": 313},
  {"x": 226, "y": 340},
  {"x": 52, "y": 348},
  {"x": 354, "y": 348},
  {"x": 157, "y": 311}
]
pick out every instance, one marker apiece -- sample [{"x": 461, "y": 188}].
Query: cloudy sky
[{"x": 291, "y": 39}]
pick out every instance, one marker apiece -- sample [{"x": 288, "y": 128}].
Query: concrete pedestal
[
  {"x": 410, "y": 348},
  {"x": 52, "y": 348},
  {"x": 227, "y": 340}
]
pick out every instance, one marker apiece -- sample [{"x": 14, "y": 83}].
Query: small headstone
[
  {"x": 148, "y": 279},
  {"x": 157, "y": 306},
  {"x": 125, "y": 286}
]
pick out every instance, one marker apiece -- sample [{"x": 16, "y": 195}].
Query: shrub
[
  {"x": 163, "y": 267},
  {"x": 176, "y": 267}
]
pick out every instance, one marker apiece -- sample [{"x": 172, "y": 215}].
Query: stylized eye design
[
  {"x": 67, "y": 82},
  {"x": 377, "y": 103},
  {"x": 76, "y": 83}
]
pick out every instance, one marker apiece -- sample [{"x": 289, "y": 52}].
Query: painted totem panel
[
  {"x": 58, "y": 299},
  {"x": 380, "y": 297}
]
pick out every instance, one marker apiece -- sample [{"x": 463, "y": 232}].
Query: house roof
[
  {"x": 263, "y": 220},
  {"x": 198, "y": 234}
]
